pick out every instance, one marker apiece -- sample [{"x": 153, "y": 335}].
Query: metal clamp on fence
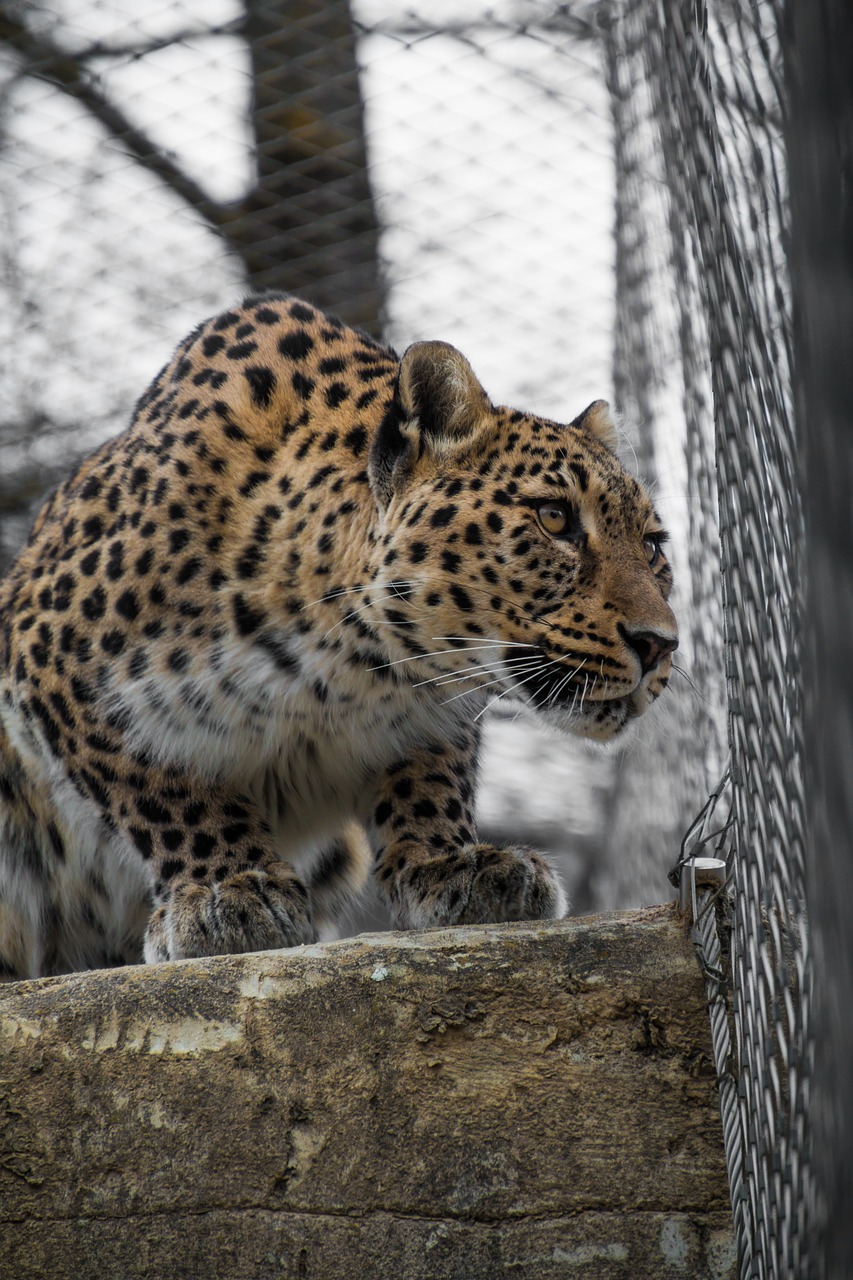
[
  {"x": 700, "y": 870},
  {"x": 698, "y": 873}
]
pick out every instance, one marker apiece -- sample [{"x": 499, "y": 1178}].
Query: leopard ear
[
  {"x": 438, "y": 407},
  {"x": 597, "y": 421},
  {"x": 440, "y": 395}
]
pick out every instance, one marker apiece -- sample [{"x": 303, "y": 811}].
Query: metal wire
[
  {"x": 715, "y": 69},
  {"x": 662, "y": 381}
]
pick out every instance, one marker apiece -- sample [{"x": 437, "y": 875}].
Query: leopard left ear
[
  {"x": 597, "y": 421},
  {"x": 438, "y": 406},
  {"x": 440, "y": 395}
]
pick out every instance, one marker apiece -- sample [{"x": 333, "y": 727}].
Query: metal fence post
[{"x": 819, "y": 57}]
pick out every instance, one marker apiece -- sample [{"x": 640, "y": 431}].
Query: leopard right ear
[
  {"x": 437, "y": 409},
  {"x": 597, "y": 421}
]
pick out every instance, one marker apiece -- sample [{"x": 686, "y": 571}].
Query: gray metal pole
[{"x": 819, "y": 69}]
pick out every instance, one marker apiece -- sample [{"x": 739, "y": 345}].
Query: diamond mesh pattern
[{"x": 716, "y": 84}]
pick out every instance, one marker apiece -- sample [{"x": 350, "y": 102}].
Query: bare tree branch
[
  {"x": 46, "y": 61},
  {"x": 142, "y": 48},
  {"x": 561, "y": 20},
  {"x": 309, "y": 223}
]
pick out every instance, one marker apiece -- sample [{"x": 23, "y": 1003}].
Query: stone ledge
[{"x": 462, "y": 1104}]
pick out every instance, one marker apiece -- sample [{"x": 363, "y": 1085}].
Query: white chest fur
[{"x": 304, "y": 746}]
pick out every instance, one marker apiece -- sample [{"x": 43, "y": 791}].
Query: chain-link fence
[
  {"x": 588, "y": 199},
  {"x": 714, "y": 76}
]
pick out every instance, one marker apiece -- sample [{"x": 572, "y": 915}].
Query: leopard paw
[
  {"x": 257, "y": 910},
  {"x": 512, "y": 884},
  {"x": 478, "y": 884}
]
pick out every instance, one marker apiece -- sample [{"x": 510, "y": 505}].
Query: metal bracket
[{"x": 697, "y": 874}]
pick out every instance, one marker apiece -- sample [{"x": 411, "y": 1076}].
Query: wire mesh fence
[
  {"x": 718, "y": 101},
  {"x": 588, "y": 199}
]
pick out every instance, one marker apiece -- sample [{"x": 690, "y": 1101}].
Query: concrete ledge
[{"x": 465, "y": 1104}]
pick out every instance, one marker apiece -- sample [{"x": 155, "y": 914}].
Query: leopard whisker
[
  {"x": 566, "y": 655},
  {"x": 353, "y": 613},
  {"x": 583, "y": 695},
  {"x": 435, "y": 653},
  {"x": 504, "y": 694},
  {"x": 470, "y": 647},
  {"x": 520, "y": 666},
  {"x": 519, "y": 644},
  {"x": 513, "y": 605},
  {"x": 478, "y": 666},
  {"x": 492, "y": 702},
  {"x": 680, "y": 671},
  {"x": 549, "y": 701},
  {"x": 365, "y": 586},
  {"x": 413, "y": 584},
  {"x": 480, "y": 669},
  {"x": 467, "y": 692},
  {"x": 535, "y": 706}
]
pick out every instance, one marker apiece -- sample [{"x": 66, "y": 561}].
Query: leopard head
[{"x": 520, "y": 554}]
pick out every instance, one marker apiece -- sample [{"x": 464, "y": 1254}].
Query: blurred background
[{"x": 493, "y": 180}]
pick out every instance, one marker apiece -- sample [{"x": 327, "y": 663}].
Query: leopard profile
[{"x": 245, "y": 654}]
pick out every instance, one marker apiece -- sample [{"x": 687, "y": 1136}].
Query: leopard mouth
[{"x": 547, "y": 682}]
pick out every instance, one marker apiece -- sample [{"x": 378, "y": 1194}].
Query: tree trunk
[
  {"x": 309, "y": 226},
  {"x": 467, "y": 1104}
]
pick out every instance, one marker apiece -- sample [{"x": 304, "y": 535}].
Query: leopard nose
[{"x": 651, "y": 647}]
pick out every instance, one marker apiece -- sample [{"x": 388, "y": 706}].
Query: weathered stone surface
[{"x": 465, "y": 1104}]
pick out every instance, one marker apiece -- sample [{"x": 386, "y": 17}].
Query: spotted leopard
[{"x": 246, "y": 651}]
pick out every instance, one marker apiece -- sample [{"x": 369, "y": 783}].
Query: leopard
[{"x": 247, "y": 649}]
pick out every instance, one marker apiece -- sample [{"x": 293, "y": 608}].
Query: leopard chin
[
  {"x": 581, "y": 706},
  {"x": 601, "y": 721}
]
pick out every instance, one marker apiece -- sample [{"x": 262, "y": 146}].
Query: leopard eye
[
  {"x": 652, "y": 547},
  {"x": 556, "y": 517}
]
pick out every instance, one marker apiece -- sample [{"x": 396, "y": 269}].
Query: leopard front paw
[
  {"x": 512, "y": 884},
  {"x": 249, "y": 911},
  {"x": 479, "y": 884}
]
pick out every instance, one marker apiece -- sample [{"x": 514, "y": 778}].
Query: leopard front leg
[
  {"x": 429, "y": 862},
  {"x": 219, "y": 886}
]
